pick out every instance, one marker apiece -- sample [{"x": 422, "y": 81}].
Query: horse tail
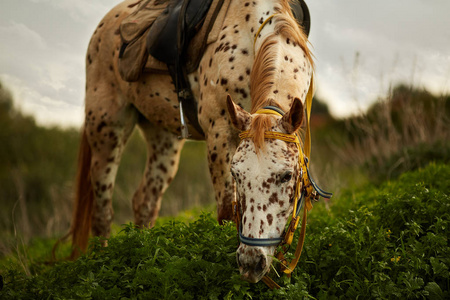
[{"x": 84, "y": 200}]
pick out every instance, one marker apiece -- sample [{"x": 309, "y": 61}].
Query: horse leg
[
  {"x": 108, "y": 127},
  {"x": 163, "y": 149},
  {"x": 221, "y": 147}
]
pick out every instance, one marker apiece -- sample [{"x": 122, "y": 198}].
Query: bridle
[{"x": 306, "y": 190}]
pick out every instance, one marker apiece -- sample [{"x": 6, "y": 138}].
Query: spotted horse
[{"x": 260, "y": 59}]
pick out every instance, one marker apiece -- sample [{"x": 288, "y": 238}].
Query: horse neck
[{"x": 290, "y": 78}]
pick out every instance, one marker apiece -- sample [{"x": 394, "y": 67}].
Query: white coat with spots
[{"x": 274, "y": 70}]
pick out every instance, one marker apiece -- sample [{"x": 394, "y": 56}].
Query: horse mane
[{"x": 262, "y": 77}]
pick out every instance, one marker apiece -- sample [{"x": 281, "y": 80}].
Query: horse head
[{"x": 267, "y": 173}]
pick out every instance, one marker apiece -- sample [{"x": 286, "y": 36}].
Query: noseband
[{"x": 306, "y": 189}]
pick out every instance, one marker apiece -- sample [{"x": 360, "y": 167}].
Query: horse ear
[
  {"x": 238, "y": 116},
  {"x": 293, "y": 119}
]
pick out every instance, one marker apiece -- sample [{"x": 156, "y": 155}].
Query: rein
[
  {"x": 261, "y": 28},
  {"x": 306, "y": 189}
]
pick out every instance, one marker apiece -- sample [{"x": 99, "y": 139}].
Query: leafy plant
[
  {"x": 374, "y": 243},
  {"x": 386, "y": 242}
]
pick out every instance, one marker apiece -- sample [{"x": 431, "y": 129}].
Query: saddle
[
  {"x": 168, "y": 40},
  {"x": 170, "y": 36},
  {"x": 134, "y": 58},
  {"x": 174, "y": 28}
]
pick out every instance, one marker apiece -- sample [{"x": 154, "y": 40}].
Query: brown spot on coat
[{"x": 269, "y": 219}]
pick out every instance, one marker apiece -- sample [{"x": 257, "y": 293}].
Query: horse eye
[{"x": 287, "y": 176}]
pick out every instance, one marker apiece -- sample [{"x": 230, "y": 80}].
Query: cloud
[
  {"x": 80, "y": 10},
  {"x": 364, "y": 48},
  {"x": 433, "y": 71},
  {"x": 45, "y": 77},
  {"x": 45, "y": 110},
  {"x": 44, "y": 44},
  {"x": 17, "y": 35}
]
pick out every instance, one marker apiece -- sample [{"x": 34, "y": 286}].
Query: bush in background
[
  {"x": 406, "y": 130},
  {"x": 36, "y": 170},
  {"x": 401, "y": 132}
]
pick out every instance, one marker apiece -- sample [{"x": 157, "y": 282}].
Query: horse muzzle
[{"x": 253, "y": 263}]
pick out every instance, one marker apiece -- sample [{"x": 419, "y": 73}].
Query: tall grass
[
  {"x": 402, "y": 131},
  {"x": 37, "y": 172},
  {"x": 35, "y": 177},
  {"x": 406, "y": 118}
]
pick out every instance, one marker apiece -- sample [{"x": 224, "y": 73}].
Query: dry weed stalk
[{"x": 393, "y": 124}]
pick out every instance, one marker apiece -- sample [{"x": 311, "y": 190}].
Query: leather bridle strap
[
  {"x": 270, "y": 283},
  {"x": 309, "y": 191},
  {"x": 309, "y": 98},
  {"x": 261, "y": 28},
  {"x": 298, "y": 201},
  {"x": 298, "y": 251}
]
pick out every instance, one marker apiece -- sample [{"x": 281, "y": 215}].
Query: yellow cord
[{"x": 261, "y": 28}]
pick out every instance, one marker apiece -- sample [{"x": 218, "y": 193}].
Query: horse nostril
[{"x": 261, "y": 264}]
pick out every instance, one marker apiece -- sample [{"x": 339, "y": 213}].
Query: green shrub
[
  {"x": 386, "y": 242},
  {"x": 171, "y": 261},
  {"x": 375, "y": 243}
]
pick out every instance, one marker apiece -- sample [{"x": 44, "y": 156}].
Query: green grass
[{"x": 378, "y": 242}]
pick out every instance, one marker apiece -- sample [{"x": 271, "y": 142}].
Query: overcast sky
[{"x": 361, "y": 48}]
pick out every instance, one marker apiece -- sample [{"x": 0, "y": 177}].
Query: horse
[{"x": 260, "y": 59}]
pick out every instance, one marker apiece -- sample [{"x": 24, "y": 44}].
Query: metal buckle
[{"x": 184, "y": 129}]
